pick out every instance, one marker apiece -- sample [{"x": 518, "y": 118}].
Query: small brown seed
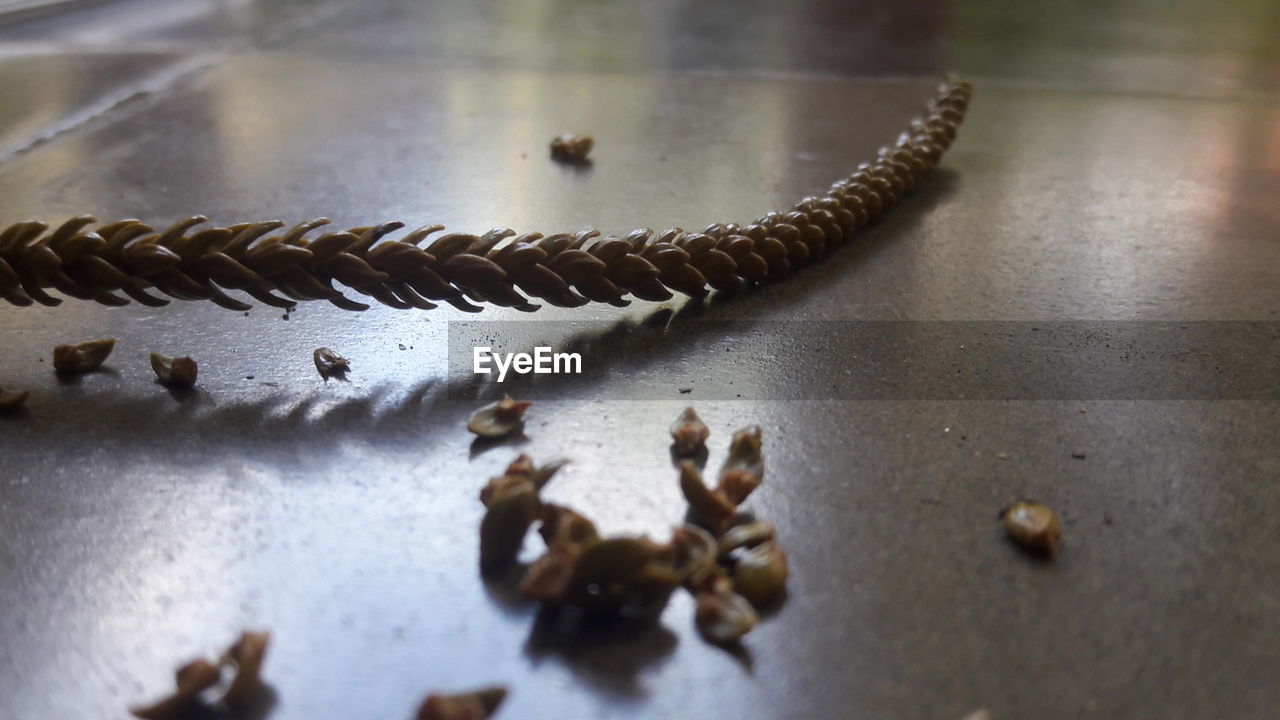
[
  {"x": 177, "y": 372},
  {"x": 1034, "y": 527},
  {"x": 562, "y": 526},
  {"x": 330, "y": 363},
  {"x": 498, "y": 419},
  {"x": 760, "y": 574},
  {"x": 12, "y": 399},
  {"x": 749, "y": 535},
  {"x": 477, "y": 705},
  {"x": 570, "y": 148},
  {"x": 247, "y": 654},
  {"x": 723, "y": 618},
  {"x": 689, "y": 432},
  {"x": 711, "y": 507},
  {"x": 82, "y": 358},
  {"x": 743, "y": 470},
  {"x": 512, "y": 509}
]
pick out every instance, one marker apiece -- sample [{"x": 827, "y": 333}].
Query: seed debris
[
  {"x": 175, "y": 372},
  {"x": 689, "y": 433},
  {"x": 499, "y": 419},
  {"x": 330, "y": 363},
  {"x": 82, "y": 358},
  {"x": 11, "y": 400},
  {"x": 199, "y": 675},
  {"x": 570, "y": 148},
  {"x": 1033, "y": 526},
  {"x": 476, "y": 705}
]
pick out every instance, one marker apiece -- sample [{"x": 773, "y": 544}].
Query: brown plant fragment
[
  {"x": 743, "y": 470},
  {"x": 247, "y": 654},
  {"x": 570, "y": 148},
  {"x": 330, "y": 363},
  {"x": 760, "y": 574},
  {"x": 175, "y": 372},
  {"x": 711, "y": 507},
  {"x": 477, "y": 705},
  {"x": 723, "y": 618},
  {"x": 12, "y": 399},
  {"x": 746, "y": 536},
  {"x": 82, "y": 358},
  {"x": 192, "y": 679},
  {"x": 513, "y": 506},
  {"x": 498, "y": 419},
  {"x": 1033, "y": 526},
  {"x": 689, "y": 433}
]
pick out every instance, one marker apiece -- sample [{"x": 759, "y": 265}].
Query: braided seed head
[{"x": 130, "y": 260}]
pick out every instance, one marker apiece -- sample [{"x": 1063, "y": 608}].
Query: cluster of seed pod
[
  {"x": 280, "y": 267},
  {"x": 580, "y": 568},
  {"x": 752, "y": 570}
]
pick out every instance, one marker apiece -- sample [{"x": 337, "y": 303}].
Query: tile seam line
[
  {"x": 153, "y": 88},
  {"x": 159, "y": 84}
]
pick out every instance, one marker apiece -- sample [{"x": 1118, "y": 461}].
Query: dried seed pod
[
  {"x": 548, "y": 578},
  {"x": 330, "y": 363},
  {"x": 177, "y": 372},
  {"x": 12, "y": 399},
  {"x": 689, "y": 433},
  {"x": 498, "y": 419},
  {"x": 522, "y": 469},
  {"x": 712, "y": 508},
  {"x": 570, "y": 148},
  {"x": 723, "y": 618},
  {"x": 512, "y": 509},
  {"x": 82, "y": 358},
  {"x": 247, "y": 654},
  {"x": 1033, "y": 526},
  {"x": 743, "y": 471},
  {"x": 760, "y": 574},
  {"x": 477, "y": 705},
  {"x": 745, "y": 536},
  {"x": 192, "y": 679},
  {"x": 693, "y": 549},
  {"x": 562, "y": 526}
]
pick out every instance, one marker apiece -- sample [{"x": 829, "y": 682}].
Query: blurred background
[{"x": 1113, "y": 185}]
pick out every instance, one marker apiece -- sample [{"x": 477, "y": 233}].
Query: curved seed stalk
[{"x": 132, "y": 261}]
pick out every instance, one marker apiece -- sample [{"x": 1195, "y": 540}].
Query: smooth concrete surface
[{"x": 1116, "y": 178}]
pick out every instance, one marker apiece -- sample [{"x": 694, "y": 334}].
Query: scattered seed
[
  {"x": 1034, "y": 527},
  {"x": 11, "y": 400},
  {"x": 1078, "y": 456},
  {"x": 477, "y": 705},
  {"x": 723, "y": 618},
  {"x": 177, "y": 372},
  {"x": 1002, "y": 456},
  {"x": 330, "y": 363},
  {"x": 760, "y": 574},
  {"x": 570, "y": 148},
  {"x": 982, "y": 714},
  {"x": 498, "y": 419},
  {"x": 689, "y": 433},
  {"x": 82, "y": 358},
  {"x": 743, "y": 471},
  {"x": 685, "y": 391}
]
